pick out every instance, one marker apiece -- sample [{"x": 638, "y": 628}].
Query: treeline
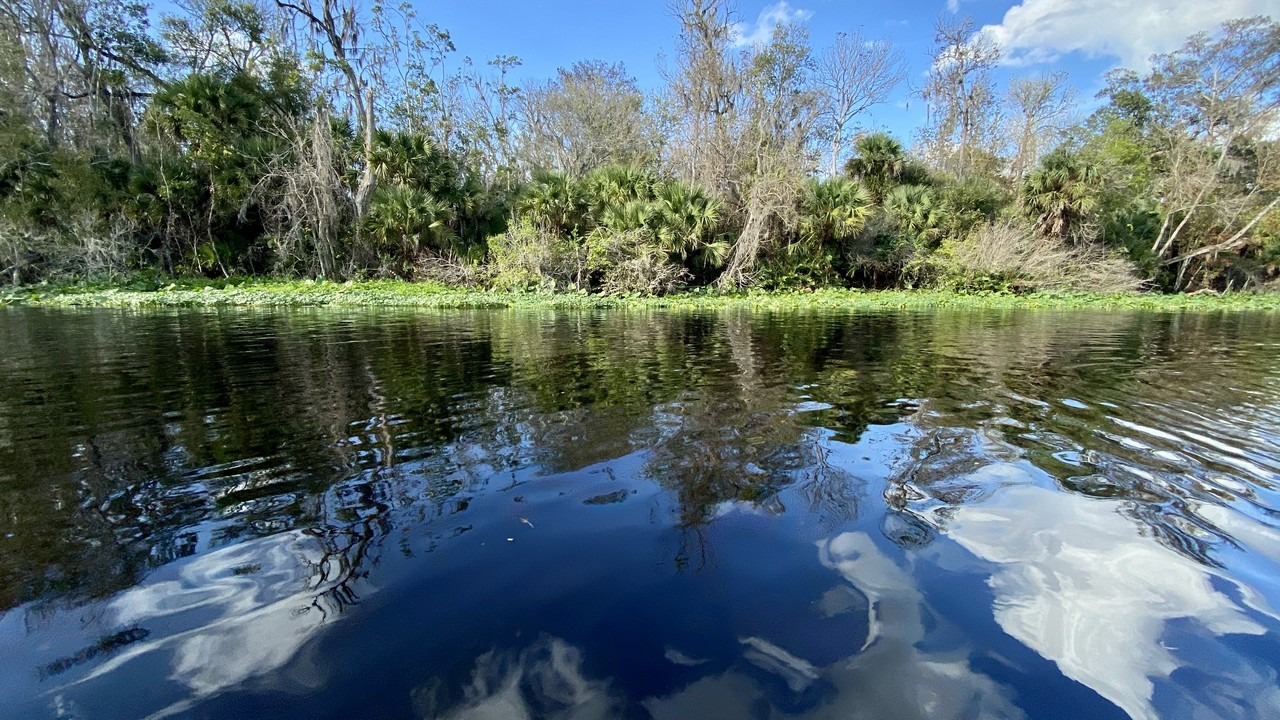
[{"x": 322, "y": 138}]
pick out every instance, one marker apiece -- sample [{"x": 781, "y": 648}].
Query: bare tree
[
  {"x": 853, "y": 75},
  {"x": 1213, "y": 96},
  {"x": 745, "y": 121},
  {"x": 705, "y": 89},
  {"x": 782, "y": 114},
  {"x": 1039, "y": 109},
  {"x": 335, "y": 27},
  {"x": 961, "y": 96},
  {"x": 485, "y": 106},
  {"x": 412, "y": 98},
  {"x": 304, "y": 199}
]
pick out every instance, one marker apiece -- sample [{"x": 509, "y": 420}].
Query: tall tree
[
  {"x": 782, "y": 116},
  {"x": 85, "y": 68},
  {"x": 961, "y": 97},
  {"x": 589, "y": 116},
  {"x": 1039, "y": 109},
  {"x": 705, "y": 88},
  {"x": 854, "y": 74},
  {"x": 486, "y": 104},
  {"x": 335, "y": 27},
  {"x": 219, "y": 36},
  {"x": 1213, "y": 97}
]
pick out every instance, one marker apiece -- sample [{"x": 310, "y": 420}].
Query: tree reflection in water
[{"x": 617, "y": 512}]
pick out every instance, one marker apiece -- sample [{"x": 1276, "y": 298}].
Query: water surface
[{"x": 503, "y": 514}]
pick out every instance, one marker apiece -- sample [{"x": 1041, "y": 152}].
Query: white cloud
[
  {"x": 761, "y": 32},
  {"x": 1041, "y": 31}
]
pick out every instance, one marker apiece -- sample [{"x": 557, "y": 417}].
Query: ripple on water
[{"x": 444, "y": 514}]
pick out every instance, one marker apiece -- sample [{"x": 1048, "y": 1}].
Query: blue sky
[{"x": 1082, "y": 37}]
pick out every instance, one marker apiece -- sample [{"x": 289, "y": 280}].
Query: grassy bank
[{"x": 306, "y": 293}]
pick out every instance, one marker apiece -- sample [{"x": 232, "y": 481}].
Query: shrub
[
  {"x": 88, "y": 248},
  {"x": 448, "y": 268},
  {"x": 17, "y": 249},
  {"x": 1010, "y": 255},
  {"x": 800, "y": 265},
  {"x": 526, "y": 257},
  {"x": 894, "y": 245},
  {"x": 970, "y": 202},
  {"x": 630, "y": 263}
]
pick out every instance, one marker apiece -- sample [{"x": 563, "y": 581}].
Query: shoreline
[{"x": 254, "y": 292}]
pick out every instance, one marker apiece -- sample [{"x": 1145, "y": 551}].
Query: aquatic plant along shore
[{"x": 260, "y": 292}]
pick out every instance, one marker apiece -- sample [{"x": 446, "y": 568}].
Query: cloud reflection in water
[
  {"x": 544, "y": 680},
  {"x": 227, "y": 617},
  {"x": 1077, "y": 583},
  {"x": 889, "y": 677}
]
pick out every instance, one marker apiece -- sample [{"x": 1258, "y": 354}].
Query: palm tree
[
  {"x": 614, "y": 185},
  {"x": 207, "y": 112},
  {"x": 410, "y": 158},
  {"x": 833, "y": 210},
  {"x": 629, "y": 215},
  {"x": 398, "y": 157},
  {"x": 687, "y": 219},
  {"x": 554, "y": 202},
  {"x": 406, "y": 217},
  {"x": 1061, "y": 195},
  {"x": 918, "y": 213},
  {"x": 878, "y": 162}
]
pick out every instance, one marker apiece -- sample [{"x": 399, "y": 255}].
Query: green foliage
[
  {"x": 833, "y": 210},
  {"x": 629, "y": 262},
  {"x": 879, "y": 163},
  {"x": 832, "y": 213},
  {"x": 529, "y": 257},
  {"x": 680, "y": 220},
  {"x": 408, "y": 158},
  {"x": 165, "y": 291},
  {"x": 409, "y": 219},
  {"x": 555, "y": 203},
  {"x": 919, "y": 216},
  {"x": 799, "y": 266},
  {"x": 970, "y": 202},
  {"x": 217, "y": 135},
  {"x": 616, "y": 185},
  {"x": 1176, "y": 171},
  {"x": 1061, "y": 196},
  {"x": 427, "y": 201},
  {"x": 685, "y": 221}
]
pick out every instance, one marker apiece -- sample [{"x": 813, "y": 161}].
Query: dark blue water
[{"x": 325, "y": 514}]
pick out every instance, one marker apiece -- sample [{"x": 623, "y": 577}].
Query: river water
[{"x": 511, "y": 514}]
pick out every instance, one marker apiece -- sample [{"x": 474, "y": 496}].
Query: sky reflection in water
[{"x": 511, "y": 515}]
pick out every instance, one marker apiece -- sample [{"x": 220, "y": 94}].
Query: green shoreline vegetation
[
  {"x": 345, "y": 140},
  {"x": 260, "y": 292}
]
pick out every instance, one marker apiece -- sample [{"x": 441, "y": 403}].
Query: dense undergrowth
[{"x": 333, "y": 144}]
